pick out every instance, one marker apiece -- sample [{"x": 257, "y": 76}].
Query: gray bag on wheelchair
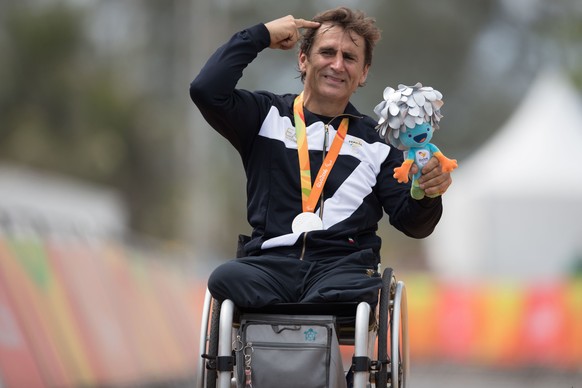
[{"x": 285, "y": 351}]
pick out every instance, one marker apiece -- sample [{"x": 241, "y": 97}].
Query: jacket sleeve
[
  {"x": 234, "y": 113},
  {"x": 415, "y": 218}
]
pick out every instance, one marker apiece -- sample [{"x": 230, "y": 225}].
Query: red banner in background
[
  {"x": 80, "y": 266},
  {"x": 500, "y": 315},
  {"x": 423, "y": 314},
  {"x": 74, "y": 312},
  {"x": 136, "y": 325},
  {"x": 150, "y": 300},
  {"x": 173, "y": 288},
  {"x": 496, "y": 324},
  {"x": 17, "y": 364},
  {"x": 22, "y": 280},
  {"x": 54, "y": 307},
  {"x": 574, "y": 323},
  {"x": 457, "y": 321},
  {"x": 544, "y": 335}
]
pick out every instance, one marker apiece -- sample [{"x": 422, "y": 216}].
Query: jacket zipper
[{"x": 304, "y": 246}]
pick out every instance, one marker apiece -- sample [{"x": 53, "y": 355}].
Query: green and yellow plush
[{"x": 407, "y": 119}]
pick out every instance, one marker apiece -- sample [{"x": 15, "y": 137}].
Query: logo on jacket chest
[
  {"x": 291, "y": 135},
  {"x": 355, "y": 146}
]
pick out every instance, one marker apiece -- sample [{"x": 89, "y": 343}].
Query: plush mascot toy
[{"x": 407, "y": 119}]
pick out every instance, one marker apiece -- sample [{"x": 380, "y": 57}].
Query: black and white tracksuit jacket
[{"x": 260, "y": 125}]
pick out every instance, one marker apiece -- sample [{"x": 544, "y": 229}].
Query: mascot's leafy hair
[{"x": 407, "y": 107}]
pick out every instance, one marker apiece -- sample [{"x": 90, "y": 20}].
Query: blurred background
[{"x": 117, "y": 199}]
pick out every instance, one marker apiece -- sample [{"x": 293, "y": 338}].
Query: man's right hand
[{"x": 285, "y": 31}]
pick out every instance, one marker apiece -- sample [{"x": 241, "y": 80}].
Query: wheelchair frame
[{"x": 381, "y": 350}]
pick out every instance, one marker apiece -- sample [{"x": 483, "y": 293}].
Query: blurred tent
[
  {"x": 515, "y": 208},
  {"x": 56, "y": 202}
]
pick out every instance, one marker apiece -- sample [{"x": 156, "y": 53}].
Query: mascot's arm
[
  {"x": 401, "y": 173},
  {"x": 447, "y": 164}
]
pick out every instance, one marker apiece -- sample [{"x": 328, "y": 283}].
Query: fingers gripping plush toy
[{"x": 407, "y": 119}]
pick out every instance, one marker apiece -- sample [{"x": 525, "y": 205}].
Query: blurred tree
[
  {"x": 64, "y": 110},
  {"x": 559, "y": 33}
]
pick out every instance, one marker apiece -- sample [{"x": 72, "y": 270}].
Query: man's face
[{"x": 335, "y": 66}]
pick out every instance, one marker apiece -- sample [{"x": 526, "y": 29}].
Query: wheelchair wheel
[
  {"x": 212, "y": 348},
  {"x": 386, "y": 293},
  {"x": 399, "y": 338},
  {"x": 393, "y": 330}
]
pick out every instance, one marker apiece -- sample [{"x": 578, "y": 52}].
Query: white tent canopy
[
  {"x": 30, "y": 197},
  {"x": 515, "y": 207}
]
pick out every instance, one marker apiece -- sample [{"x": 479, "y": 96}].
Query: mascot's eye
[
  {"x": 428, "y": 129},
  {"x": 409, "y": 135}
]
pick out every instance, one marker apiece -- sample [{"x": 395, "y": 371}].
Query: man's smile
[{"x": 333, "y": 79}]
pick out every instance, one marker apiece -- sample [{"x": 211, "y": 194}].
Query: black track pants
[{"x": 259, "y": 281}]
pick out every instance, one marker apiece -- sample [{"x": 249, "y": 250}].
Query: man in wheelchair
[{"x": 319, "y": 177}]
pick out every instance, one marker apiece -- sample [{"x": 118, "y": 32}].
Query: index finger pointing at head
[{"x": 302, "y": 23}]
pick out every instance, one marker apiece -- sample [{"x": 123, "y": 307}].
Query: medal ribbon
[{"x": 310, "y": 195}]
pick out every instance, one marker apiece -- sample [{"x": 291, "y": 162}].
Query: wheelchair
[{"x": 378, "y": 336}]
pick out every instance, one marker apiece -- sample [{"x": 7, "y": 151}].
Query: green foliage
[
  {"x": 57, "y": 114},
  {"x": 64, "y": 110}
]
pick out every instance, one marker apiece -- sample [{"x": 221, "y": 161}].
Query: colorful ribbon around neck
[{"x": 310, "y": 195}]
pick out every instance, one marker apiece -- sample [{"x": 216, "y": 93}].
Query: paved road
[
  {"x": 462, "y": 376},
  {"x": 454, "y": 376}
]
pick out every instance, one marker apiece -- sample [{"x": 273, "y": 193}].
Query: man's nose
[{"x": 338, "y": 62}]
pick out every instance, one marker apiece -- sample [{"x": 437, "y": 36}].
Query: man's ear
[
  {"x": 364, "y": 75},
  {"x": 301, "y": 59}
]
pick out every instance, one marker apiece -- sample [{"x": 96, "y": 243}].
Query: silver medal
[{"x": 306, "y": 222}]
